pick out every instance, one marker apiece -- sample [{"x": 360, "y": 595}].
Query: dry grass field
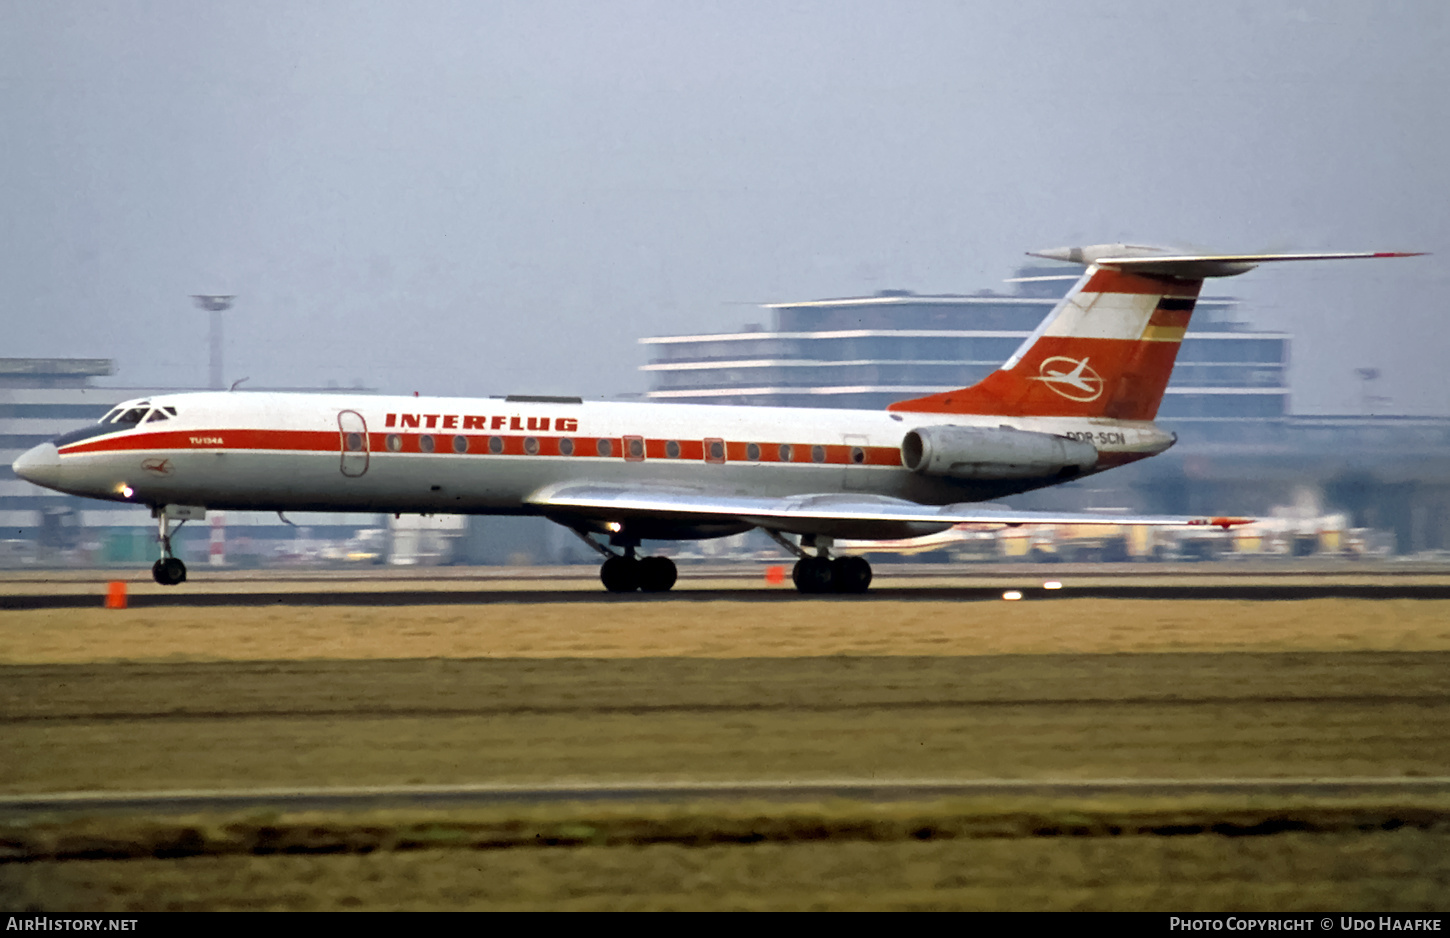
[
  {"x": 718, "y": 690},
  {"x": 719, "y": 629},
  {"x": 967, "y": 855},
  {"x": 539, "y": 720}
]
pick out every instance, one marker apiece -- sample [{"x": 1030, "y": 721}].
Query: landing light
[
  {"x": 614, "y": 527},
  {"x": 124, "y": 490},
  {"x": 1052, "y": 585},
  {"x": 1011, "y": 595}
]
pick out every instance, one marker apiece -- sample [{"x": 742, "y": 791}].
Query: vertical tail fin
[{"x": 1108, "y": 348}]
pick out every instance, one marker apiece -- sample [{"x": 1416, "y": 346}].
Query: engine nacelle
[{"x": 994, "y": 453}]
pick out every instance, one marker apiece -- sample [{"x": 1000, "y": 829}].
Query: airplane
[{"x": 1078, "y": 397}]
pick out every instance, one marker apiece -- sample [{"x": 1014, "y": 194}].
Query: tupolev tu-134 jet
[{"x": 1077, "y": 398}]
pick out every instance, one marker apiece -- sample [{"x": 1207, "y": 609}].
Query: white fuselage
[{"x": 337, "y": 452}]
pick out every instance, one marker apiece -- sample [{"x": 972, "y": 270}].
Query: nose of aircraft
[{"x": 41, "y": 465}]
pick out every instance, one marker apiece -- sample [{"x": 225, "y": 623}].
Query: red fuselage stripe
[{"x": 325, "y": 441}]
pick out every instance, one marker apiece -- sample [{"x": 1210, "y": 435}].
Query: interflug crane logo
[{"x": 1070, "y": 377}]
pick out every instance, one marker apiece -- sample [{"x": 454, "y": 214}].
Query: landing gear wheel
[
  {"x": 850, "y": 574},
  {"x": 620, "y": 574},
  {"x": 813, "y": 575},
  {"x": 657, "y": 574},
  {"x": 168, "y": 571}
]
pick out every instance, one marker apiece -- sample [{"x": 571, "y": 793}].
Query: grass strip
[{"x": 698, "y": 825}]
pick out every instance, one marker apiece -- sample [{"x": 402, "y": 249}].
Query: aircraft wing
[{"x": 837, "y": 515}]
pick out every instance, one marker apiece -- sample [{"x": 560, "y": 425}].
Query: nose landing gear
[{"x": 169, "y": 570}]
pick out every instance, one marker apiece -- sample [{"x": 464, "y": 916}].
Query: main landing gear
[
  {"x": 169, "y": 570},
  {"x": 629, "y": 573},
  {"x": 625, "y": 573},
  {"x": 823, "y": 573},
  {"x": 832, "y": 575}
]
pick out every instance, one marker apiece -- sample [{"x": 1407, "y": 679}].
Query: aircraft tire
[
  {"x": 850, "y": 574},
  {"x": 657, "y": 574},
  {"x": 620, "y": 574},
  {"x": 168, "y": 571},
  {"x": 813, "y": 575}
]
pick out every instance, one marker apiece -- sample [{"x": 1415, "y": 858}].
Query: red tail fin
[{"x": 1107, "y": 350}]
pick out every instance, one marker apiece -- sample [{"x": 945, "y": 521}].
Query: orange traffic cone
[{"x": 116, "y": 594}]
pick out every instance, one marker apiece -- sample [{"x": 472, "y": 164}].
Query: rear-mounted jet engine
[{"x": 994, "y": 453}]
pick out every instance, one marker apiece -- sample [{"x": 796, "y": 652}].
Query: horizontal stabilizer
[{"x": 1161, "y": 262}]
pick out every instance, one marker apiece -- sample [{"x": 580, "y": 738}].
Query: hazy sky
[{"x": 483, "y": 198}]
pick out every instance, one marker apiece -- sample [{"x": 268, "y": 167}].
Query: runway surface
[{"x": 342, "y": 596}]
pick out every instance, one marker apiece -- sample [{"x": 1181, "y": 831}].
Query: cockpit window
[
  {"x": 119, "y": 419},
  {"x": 128, "y": 415}
]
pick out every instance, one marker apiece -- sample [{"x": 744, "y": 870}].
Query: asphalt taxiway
[{"x": 209, "y": 588}]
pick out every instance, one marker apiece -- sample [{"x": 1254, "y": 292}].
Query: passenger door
[
  {"x": 353, "y": 434},
  {"x": 857, "y": 476}
]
